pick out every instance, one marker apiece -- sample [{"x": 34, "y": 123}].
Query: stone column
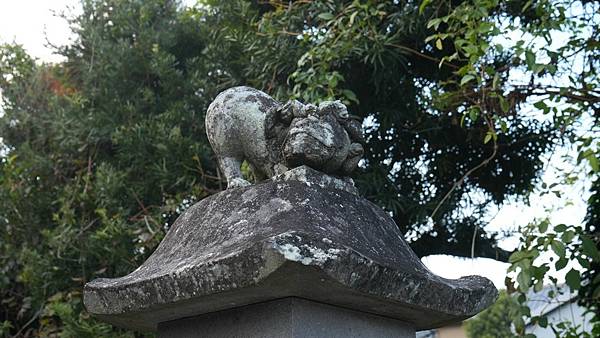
[
  {"x": 300, "y": 255},
  {"x": 287, "y": 317}
]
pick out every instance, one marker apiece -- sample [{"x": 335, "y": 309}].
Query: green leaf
[
  {"x": 543, "y": 321},
  {"x": 503, "y": 104},
  {"x": 539, "y": 285},
  {"x": 519, "y": 323},
  {"x": 423, "y": 5},
  {"x": 350, "y": 95},
  {"x": 560, "y": 228},
  {"x": 543, "y": 226},
  {"x": 517, "y": 256},
  {"x": 438, "y": 44},
  {"x": 567, "y": 236},
  {"x": 434, "y": 23},
  {"x": 470, "y": 50},
  {"x": 583, "y": 154},
  {"x": 352, "y": 18},
  {"x": 589, "y": 248},
  {"x": 573, "y": 279},
  {"x": 487, "y": 138},
  {"x": 561, "y": 263},
  {"x": 584, "y": 262},
  {"x": 495, "y": 81},
  {"x": 530, "y": 59},
  {"x": 593, "y": 160},
  {"x": 325, "y": 16},
  {"x": 503, "y": 126},
  {"x": 541, "y": 105},
  {"x": 538, "y": 68},
  {"x": 466, "y": 78},
  {"x": 524, "y": 278},
  {"x": 473, "y": 114},
  {"x": 558, "y": 248}
]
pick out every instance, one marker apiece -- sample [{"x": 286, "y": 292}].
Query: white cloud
[
  {"x": 454, "y": 267},
  {"x": 31, "y": 22}
]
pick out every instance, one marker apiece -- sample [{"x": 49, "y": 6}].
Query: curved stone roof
[{"x": 303, "y": 234}]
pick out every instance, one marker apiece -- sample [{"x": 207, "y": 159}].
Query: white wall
[{"x": 567, "y": 312}]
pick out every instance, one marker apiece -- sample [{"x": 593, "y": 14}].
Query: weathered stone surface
[
  {"x": 287, "y": 237},
  {"x": 287, "y": 318},
  {"x": 310, "y": 177},
  {"x": 243, "y": 123}
]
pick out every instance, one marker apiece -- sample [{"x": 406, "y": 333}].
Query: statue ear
[
  {"x": 271, "y": 119},
  {"x": 325, "y": 107},
  {"x": 289, "y": 110},
  {"x": 279, "y": 116},
  {"x": 337, "y": 108}
]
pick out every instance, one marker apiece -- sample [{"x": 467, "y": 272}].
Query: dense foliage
[
  {"x": 561, "y": 81},
  {"x": 495, "y": 321},
  {"x": 103, "y": 151}
]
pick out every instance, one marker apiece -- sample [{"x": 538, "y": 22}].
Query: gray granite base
[{"x": 287, "y": 317}]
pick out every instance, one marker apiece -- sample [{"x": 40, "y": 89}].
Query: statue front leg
[{"x": 231, "y": 169}]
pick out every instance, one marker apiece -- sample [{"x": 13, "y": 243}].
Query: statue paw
[
  {"x": 356, "y": 149},
  {"x": 279, "y": 169},
  {"x": 237, "y": 183}
]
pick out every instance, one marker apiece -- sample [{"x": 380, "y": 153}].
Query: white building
[{"x": 559, "y": 305}]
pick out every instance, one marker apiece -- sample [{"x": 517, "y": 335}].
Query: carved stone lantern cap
[{"x": 301, "y": 234}]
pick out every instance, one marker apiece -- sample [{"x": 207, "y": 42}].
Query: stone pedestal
[
  {"x": 302, "y": 234},
  {"x": 286, "y": 318}
]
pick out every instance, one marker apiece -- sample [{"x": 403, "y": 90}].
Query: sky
[{"x": 33, "y": 24}]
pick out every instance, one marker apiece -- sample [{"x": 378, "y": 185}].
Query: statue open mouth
[
  {"x": 307, "y": 147},
  {"x": 309, "y": 141}
]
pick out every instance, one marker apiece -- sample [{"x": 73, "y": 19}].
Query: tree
[
  {"x": 590, "y": 288},
  {"x": 495, "y": 321},
  {"x": 102, "y": 152},
  {"x": 569, "y": 95}
]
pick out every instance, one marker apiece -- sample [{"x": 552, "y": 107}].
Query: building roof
[{"x": 549, "y": 298}]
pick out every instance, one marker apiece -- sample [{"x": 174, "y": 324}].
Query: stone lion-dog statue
[{"x": 243, "y": 123}]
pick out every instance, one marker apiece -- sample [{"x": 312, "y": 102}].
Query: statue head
[{"x": 317, "y": 136}]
